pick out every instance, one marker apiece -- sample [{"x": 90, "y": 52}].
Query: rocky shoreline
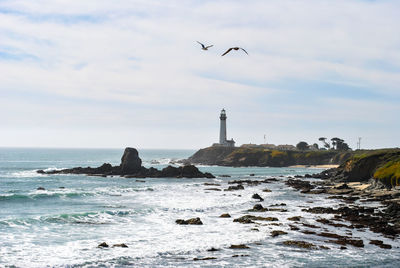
[
  {"x": 131, "y": 167},
  {"x": 358, "y": 212}
]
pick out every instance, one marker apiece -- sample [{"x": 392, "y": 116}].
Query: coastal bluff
[
  {"x": 381, "y": 167},
  {"x": 243, "y": 157},
  {"x": 131, "y": 167}
]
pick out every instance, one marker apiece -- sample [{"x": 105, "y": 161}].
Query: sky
[{"x": 111, "y": 74}]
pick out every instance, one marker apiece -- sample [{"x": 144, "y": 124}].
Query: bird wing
[
  {"x": 226, "y": 52},
  {"x": 244, "y": 50},
  {"x": 208, "y": 46},
  {"x": 200, "y": 44}
]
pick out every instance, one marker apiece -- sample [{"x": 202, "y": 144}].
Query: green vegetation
[{"x": 389, "y": 173}]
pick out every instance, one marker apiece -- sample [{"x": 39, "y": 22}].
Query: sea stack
[{"x": 130, "y": 161}]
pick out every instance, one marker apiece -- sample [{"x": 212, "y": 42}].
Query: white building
[{"x": 222, "y": 132}]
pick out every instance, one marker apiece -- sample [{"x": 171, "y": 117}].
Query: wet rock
[
  {"x": 140, "y": 181},
  {"x": 211, "y": 184},
  {"x": 376, "y": 242},
  {"x": 225, "y": 215},
  {"x": 122, "y": 245},
  {"x": 252, "y": 175},
  {"x": 320, "y": 210},
  {"x": 225, "y": 176},
  {"x": 300, "y": 244},
  {"x": 277, "y": 232},
  {"x": 250, "y": 219},
  {"x": 266, "y": 190},
  {"x": 241, "y": 255},
  {"x": 323, "y": 247},
  {"x": 41, "y": 189},
  {"x": 204, "y": 259},
  {"x": 310, "y": 225},
  {"x": 240, "y": 246},
  {"x": 308, "y": 232},
  {"x": 257, "y": 196},
  {"x": 295, "y": 218},
  {"x": 303, "y": 186},
  {"x": 278, "y": 205},
  {"x": 193, "y": 221},
  {"x": 258, "y": 208},
  {"x": 235, "y": 188},
  {"x": 103, "y": 245},
  {"x": 294, "y": 228}
]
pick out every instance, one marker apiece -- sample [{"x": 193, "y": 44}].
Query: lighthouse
[
  {"x": 222, "y": 132},
  {"x": 222, "y": 128}
]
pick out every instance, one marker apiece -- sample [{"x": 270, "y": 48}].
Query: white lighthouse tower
[
  {"x": 222, "y": 132},
  {"x": 222, "y": 129}
]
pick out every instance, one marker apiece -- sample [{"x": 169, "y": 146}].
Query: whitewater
[{"x": 62, "y": 225}]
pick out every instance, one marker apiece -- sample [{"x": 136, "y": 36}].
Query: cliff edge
[{"x": 242, "y": 157}]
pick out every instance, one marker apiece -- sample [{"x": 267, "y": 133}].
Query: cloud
[{"x": 121, "y": 62}]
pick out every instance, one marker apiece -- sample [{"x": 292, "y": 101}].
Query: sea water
[{"x": 63, "y": 225}]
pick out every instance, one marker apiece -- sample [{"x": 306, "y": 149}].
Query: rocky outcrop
[
  {"x": 239, "y": 156},
  {"x": 193, "y": 221},
  {"x": 130, "y": 161},
  {"x": 130, "y": 167}
]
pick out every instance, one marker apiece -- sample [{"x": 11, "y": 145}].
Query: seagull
[
  {"x": 203, "y": 47},
  {"x": 235, "y": 48}
]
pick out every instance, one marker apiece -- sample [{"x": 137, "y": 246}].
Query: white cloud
[{"x": 144, "y": 54}]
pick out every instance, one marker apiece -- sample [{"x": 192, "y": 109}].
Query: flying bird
[
  {"x": 203, "y": 47},
  {"x": 235, "y": 48}
]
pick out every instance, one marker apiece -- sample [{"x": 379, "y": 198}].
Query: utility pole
[
  {"x": 359, "y": 143},
  {"x": 265, "y": 139}
]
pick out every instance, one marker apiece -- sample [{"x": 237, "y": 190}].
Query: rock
[
  {"x": 234, "y": 188},
  {"x": 41, "y": 171},
  {"x": 266, "y": 190},
  {"x": 294, "y": 228},
  {"x": 103, "y": 245},
  {"x": 343, "y": 186},
  {"x": 225, "y": 215},
  {"x": 252, "y": 175},
  {"x": 295, "y": 218},
  {"x": 278, "y": 205},
  {"x": 250, "y": 219},
  {"x": 277, "y": 232},
  {"x": 257, "y": 196},
  {"x": 204, "y": 259},
  {"x": 193, "y": 221},
  {"x": 130, "y": 161},
  {"x": 213, "y": 249},
  {"x": 120, "y": 245},
  {"x": 300, "y": 244},
  {"x": 41, "y": 189},
  {"x": 211, "y": 184},
  {"x": 376, "y": 242},
  {"x": 240, "y": 246},
  {"x": 258, "y": 208},
  {"x": 225, "y": 176}
]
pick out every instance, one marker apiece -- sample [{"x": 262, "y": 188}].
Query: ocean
[{"x": 63, "y": 225}]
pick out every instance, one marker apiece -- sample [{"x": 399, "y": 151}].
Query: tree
[
  {"x": 316, "y": 146},
  {"x": 326, "y": 144},
  {"x": 302, "y": 146},
  {"x": 339, "y": 144}
]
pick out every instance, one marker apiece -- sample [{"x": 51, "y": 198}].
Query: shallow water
[{"x": 62, "y": 225}]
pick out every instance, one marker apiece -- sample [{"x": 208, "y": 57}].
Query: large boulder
[{"x": 130, "y": 161}]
